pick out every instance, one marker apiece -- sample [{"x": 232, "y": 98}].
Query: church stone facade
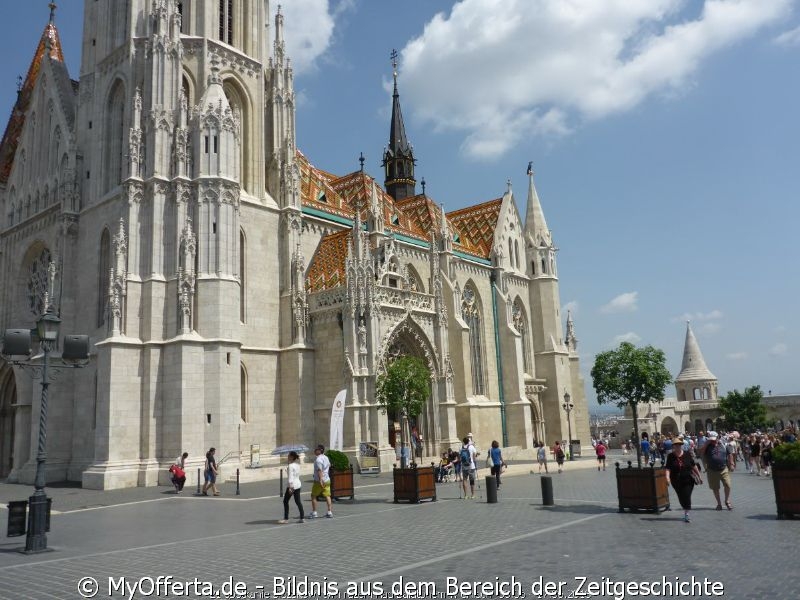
[{"x": 231, "y": 287}]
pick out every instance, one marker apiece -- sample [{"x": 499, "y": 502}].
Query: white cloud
[
  {"x": 698, "y": 316},
  {"x": 631, "y": 337},
  {"x": 779, "y": 349},
  {"x": 736, "y": 356},
  {"x": 626, "y": 302},
  {"x": 710, "y": 328},
  {"x": 789, "y": 38},
  {"x": 308, "y": 29},
  {"x": 780, "y": 329},
  {"x": 502, "y": 70},
  {"x": 570, "y": 307}
]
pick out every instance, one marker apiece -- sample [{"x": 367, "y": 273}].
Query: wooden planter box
[
  {"x": 342, "y": 483},
  {"x": 642, "y": 489},
  {"x": 787, "y": 490},
  {"x": 414, "y": 484}
]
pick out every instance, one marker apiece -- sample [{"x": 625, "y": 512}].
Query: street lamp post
[
  {"x": 75, "y": 354},
  {"x": 36, "y": 540},
  {"x": 568, "y": 406}
]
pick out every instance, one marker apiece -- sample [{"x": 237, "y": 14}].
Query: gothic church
[{"x": 231, "y": 287}]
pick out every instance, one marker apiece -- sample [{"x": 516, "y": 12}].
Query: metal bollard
[
  {"x": 237, "y": 482},
  {"x": 547, "y": 490},
  {"x": 280, "y": 490},
  {"x": 491, "y": 489},
  {"x": 198, "y": 481}
]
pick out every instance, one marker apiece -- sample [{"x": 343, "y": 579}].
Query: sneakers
[
  {"x": 686, "y": 518},
  {"x": 329, "y": 515},
  {"x": 313, "y": 515},
  {"x": 283, "y": 522},
  {"x": 302, "y": 521}
]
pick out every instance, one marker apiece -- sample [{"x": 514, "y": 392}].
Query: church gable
[
  {"x": 477, "y": 225},
  {"x": 509, "y": 243},
  {"x": 327, "y": 268}
]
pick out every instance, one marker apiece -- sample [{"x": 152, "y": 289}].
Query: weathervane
[
  {"x": 361, "y": 160},
  {"x": 53, "y": 7}
]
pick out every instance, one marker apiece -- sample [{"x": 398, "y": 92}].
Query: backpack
[
  {"x": 559, "y": 452},
  {"x": 465, "y": 458},
  {"x": 716, "y": 457}
]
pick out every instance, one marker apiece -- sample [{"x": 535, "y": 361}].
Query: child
[{"x": 293, "y": 488}]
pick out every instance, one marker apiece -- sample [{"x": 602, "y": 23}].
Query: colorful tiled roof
[
  {"x": 16, "y": 122},
  {"x": 327, "y": 269},
  {"x": 476, "y": 225}
]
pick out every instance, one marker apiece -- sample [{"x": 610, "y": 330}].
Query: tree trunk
[
  {"x": 403, "y": 421},
  {"x": 636, "y": 434}
]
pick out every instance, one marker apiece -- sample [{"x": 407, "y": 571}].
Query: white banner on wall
[{"x": 337, "y": 421}]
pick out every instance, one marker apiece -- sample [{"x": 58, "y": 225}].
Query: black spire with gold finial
[{"x": 398, "y": 160}]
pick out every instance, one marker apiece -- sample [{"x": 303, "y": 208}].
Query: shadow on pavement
[{"x": 580, "y": 509}]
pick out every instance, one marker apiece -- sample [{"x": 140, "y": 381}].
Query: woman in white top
[{"x": 293, "y": 488}]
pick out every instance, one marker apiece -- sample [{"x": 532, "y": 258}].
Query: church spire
[
  {"x": 398, "y": 160},
  {"x": 535, "y": 224},
  {"x": 572, "y": 340},
  {"x": 693, "y": 366}
]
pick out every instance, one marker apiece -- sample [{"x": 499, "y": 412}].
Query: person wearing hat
[
  {"x": 682, "y": 473},
  {"x": 715, "y": 457}
]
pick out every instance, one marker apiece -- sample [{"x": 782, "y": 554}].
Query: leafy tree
[
  {"x": 744, "y": 411},
  {"x": 404, "y": 390},
  {"x": 629, "y": 376}
]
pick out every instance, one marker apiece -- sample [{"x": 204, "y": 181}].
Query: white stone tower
[{"x": 695, "y": 383}]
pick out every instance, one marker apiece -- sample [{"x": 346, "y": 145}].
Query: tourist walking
[
  {"x": 541, "y": 457},
  {"x": 210, "y": 472},
  {"x": 715, "y": 458},
  {"x": 558, "y": 451},
  {"x": 755, "y": 455},
  {"x": 322, "y": 482},
  {"x": 682, "y": 473},
  {"x": 293, "y": 486},
  {"x": 600, "y": 450},
  {"x": 467, "y": 459},
  {"x": 496, "y": 457}
]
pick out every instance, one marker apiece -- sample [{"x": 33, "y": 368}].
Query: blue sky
[{"x": 664, "y": 136}]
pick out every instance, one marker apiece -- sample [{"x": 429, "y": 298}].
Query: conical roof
[
  {"x": 535, "y": 225},
  {"x": 693, "y": 367}
]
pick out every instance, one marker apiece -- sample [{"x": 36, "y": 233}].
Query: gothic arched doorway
[
  {"x": 408, "y": 340},
  {"x": 8, "y": 402},
  {"x": 669, "y": 426}
]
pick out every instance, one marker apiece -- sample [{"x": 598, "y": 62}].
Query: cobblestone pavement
[{"x": 147, "y": 534}]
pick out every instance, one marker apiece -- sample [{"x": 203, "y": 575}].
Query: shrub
[
  {"x": 339, "y": 460},
  {"x": 787, "y": 454}
]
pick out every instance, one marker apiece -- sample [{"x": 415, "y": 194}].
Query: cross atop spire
[
  {"x": 393, "y": 56},
  {"x": 53, "y": 7}
]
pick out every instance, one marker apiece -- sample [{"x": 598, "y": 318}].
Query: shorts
[
  {"x": 471, "y": 474},
  {"x": 321, "y": 489},
  {"x": 715, "y": 477},
  {"x": 601, "y": 458},
  {"x": 211, "y": 477}
]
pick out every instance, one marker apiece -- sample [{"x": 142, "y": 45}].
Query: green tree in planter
[
  {"x": 629, "y": 376},
  {"x": 404, "y": 390},
  {"x": 744, "y": 411},
  {"x": 339, "y": 460}
]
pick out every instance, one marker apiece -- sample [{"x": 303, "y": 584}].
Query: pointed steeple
[
  {"x": 693, "y": 366},
  {"x": 49, "y": 46},
  {"x": 398, "y": 160},
  {"x": 572, "y": 340},
  {"x": 535, "y": 225}
]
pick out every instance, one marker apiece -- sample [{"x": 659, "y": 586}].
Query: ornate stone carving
[
  {"x": 118, "y": 275},
  {"x": 186, "y": 276},
  {"x": 39, "y": 295}
]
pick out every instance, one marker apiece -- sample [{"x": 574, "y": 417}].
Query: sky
[{"x": 663, "y": 134}]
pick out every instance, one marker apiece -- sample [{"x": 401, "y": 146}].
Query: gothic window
[
  {"x": 119, "y": 22},
  {"x": 226, "y": 21},
  {"x": 237, "y": 99},
  {"x": 696, "y": 394},
  {"x": 243, "y": 392},
  {"x": 471, "y": 313},
  {"x": 516, "y": 253},
  {"x": 114, "y": 136},
  {"x": 521, "y": 325},
  {"x": 544, "y": 266},
  {"x": 510, "y": 253},
  {"x": 38, "y": 282},
  {"x": 242, "y": 275},
  {"x": 103, "y": 276}
]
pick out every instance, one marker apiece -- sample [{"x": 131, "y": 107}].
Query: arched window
[
  {"x": 511, "y": 253},
  {"x": 242, "y": 275},
  {"x": 516, "y": 253},
  {"x": 696, "y": 394},
  {"x": 243, "y": 399},
  {"x": 239, "y": 105},
  {"x": 119, "y": 22},
  {"x": 226, "y": 21},
  {"x": 114, "y": 136},
  {"x": 471, "y": 313},
  {"x": 521, "y": 325},
  {"x": 414, "y": 280},
  {"x": 103, "y": 274}
]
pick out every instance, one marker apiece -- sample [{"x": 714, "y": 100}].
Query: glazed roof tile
[
  {"x": 327, "y": 269},
  {"x": 477, "y": 224},
  {"x": 16, "y": 122}
]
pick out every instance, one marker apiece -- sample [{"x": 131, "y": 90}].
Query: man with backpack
[
  {"x": 466, "y": 458},
  {"x": 715, "y": 458}
]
